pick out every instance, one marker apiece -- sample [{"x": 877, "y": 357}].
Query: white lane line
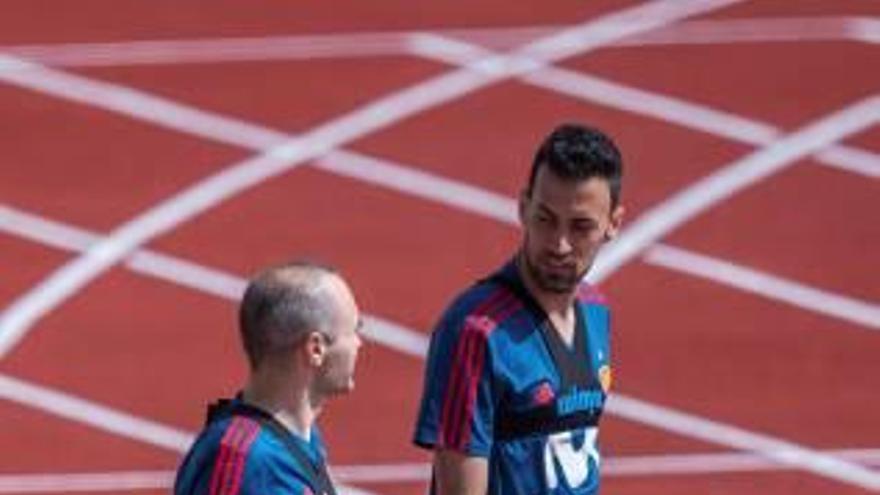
[
  {"x": 638, "y": 101},
  {"x": 384, "y": 473},
  {"x": 865, "y": 29},
  {"x": 213, "y": 50},
  {"x": 225, "y": 285},
  {"x": 692, "y": 116},
  {"x": 105, "y": 418},
  {"x": 376, "y": 44},
  {"x": 421, "y": 184},
  {"x": 619, "y": 466},
  {"x": 179, "y": 271},
  {"x": 770, "y": 286},
  {"x": 114, "y": 481},
  {"x": 854, "y": 160},
  {"x": 732, "y": 462},
  {"x": 376, "y": 115},
  {"x": 395, "y": 336},
  {"x": 755, "y": 30},
  {"x": 185, "y": 273},
  {"x": 709, "y": 191},
  {"x": 781, "y": 451},
  {"x": 610, "y": 28},
  {"x": 137, "y": 104},
  {"x": 41, "y": 230},
  {"x": 622, "y": 466},
  {"x": 76, "y": 409}
]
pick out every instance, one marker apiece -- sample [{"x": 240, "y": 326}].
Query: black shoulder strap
[{"x": 318, "y": 477}]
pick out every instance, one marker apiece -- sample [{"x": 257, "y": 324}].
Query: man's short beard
[{"x": 551, "y": 283}]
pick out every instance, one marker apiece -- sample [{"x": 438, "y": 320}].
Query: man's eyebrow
[
  {"x": 585, "y": 219},
  {"x": 545, "y": 209}
]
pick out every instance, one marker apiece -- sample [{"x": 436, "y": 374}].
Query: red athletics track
[{"x": 100, "y": 393}]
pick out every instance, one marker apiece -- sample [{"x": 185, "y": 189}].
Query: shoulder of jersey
[{"x": 590, "y": 294}]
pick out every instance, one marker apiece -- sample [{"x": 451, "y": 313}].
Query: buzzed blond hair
[{"x": 282, "y": 305}]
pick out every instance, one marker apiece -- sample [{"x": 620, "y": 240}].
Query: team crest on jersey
[
  {"x": 543, "y": 394},
  {"x": 605, "y": 377}
]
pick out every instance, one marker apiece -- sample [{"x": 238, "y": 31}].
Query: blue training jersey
[
  {"x": 238, "y": 455},
  {"x": 500, "y": 383}
]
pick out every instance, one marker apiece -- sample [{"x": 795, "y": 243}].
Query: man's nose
[{"x": 562, "y": 243}]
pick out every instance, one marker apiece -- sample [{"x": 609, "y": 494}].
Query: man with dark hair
[
  {"x": 299, "y": 329},
  {"x": 518, "y": 368}
]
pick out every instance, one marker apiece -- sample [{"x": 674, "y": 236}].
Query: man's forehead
[{"x": 572, "y": 194}]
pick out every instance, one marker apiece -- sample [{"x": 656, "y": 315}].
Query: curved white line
[
  {"x": 774, "y": 449},
  {"x": 656, "y": 223},
  {"x": 372, "y": 44},
  {"x": 409, "y": 472},
  {"x": 214, "y": 50},
  {"x": 771, "y": 287},
  {"x": 107, "y": 419},
  {"x": 118, "y": 482},
  {"x": 68, "y": 406},
  {"x": 185, "y": 273},
  {"x": 754, "y": 30}
]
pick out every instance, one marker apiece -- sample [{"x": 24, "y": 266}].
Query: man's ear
[
  {"x": 314, "y": 348},
  {"x": 615, "y": 223}
]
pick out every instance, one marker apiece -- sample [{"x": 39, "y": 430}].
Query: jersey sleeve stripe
[
  {"x": 476, "y": 332},
  {"x": 231, "y": 450},
  {"x": 477, "y": 361},
  {"x": 252, "y": 430},
  {"x": 218, "y": 474},
  {"x": 454, "y": 384},
  {"x": 231, "y": 453},
  {"x": 474, "y": 368},
  {"x": 453, "y": 399}
]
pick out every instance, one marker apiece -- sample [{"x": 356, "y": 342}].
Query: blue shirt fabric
[
  {"x": 493, "y": 367},
  {"x": 239, "y": 456}
]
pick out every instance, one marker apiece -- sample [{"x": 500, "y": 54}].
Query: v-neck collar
[{"x": 573, "y": 363}]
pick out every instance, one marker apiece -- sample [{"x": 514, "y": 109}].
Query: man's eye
[{"x": 583, "y": 227}]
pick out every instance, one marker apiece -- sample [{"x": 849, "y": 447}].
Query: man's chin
[{"x": 558, "y": 285}]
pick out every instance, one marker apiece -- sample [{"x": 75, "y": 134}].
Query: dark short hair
[
  {"x": 281, "y": 305},
  {"x": 578, "y": 152}
]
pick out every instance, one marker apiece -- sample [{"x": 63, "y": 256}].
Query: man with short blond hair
[{"x": 299, "y": 328}]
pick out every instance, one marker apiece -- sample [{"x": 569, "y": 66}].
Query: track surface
[{"x": 746, "y": 324}]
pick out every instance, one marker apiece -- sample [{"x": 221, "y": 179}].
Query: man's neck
[
  {"x": 556, "y": 305},
  {"x": 293, "y": 410}
]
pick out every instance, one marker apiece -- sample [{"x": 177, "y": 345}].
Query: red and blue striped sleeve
[
  {"x": 238, "y": 457},
  {"x": 228, "y": 471},
  {"x": 457, "y": 407}
]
